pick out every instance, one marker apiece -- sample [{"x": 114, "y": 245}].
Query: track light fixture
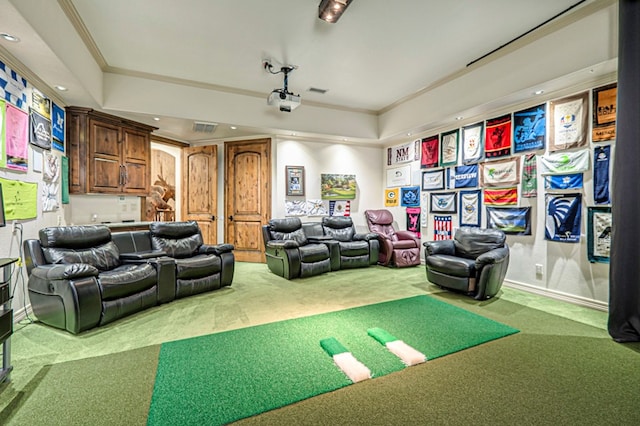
[{"x": 331, "y": 10}]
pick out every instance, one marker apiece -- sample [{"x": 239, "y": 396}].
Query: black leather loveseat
[{"x": 82, "y": 277}]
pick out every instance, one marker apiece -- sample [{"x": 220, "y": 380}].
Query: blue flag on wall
[
  {"x": 463, "y": 176},
  {"x": 601, "y": 156},
  {"x": 410, "y": 196},
  {"x": 573, "y": 181},
  {"x": 563, "y": 216}
]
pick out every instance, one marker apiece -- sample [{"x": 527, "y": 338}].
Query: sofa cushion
[
  {"x": 287, "y": 229},
  {"x": 354, "y": 248},
  {"x": 314, "y": 253},
  {"x": 176, "y": 239},
  {"x": 451, "y": 265},
  {"x": 126, "y": 280},
  {"x": 103, "y": 257},
  {"x": 198, "y": 266},
  {"x": 80, "y": 244},
  {"x": 472, "y": 242}
]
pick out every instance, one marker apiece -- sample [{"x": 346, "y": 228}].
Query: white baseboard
[
  {"x": 558, "y": 295},
  {"x": 20, "y": 314}
]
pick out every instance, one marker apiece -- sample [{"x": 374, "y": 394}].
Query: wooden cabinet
[{"x": 107, "y": 154}]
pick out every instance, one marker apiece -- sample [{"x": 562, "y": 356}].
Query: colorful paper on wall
[
  {"x": 561, "y": 163},
  {"x": 501, "y": 196},
  {"x": 50, "y": 196},
  {"x": 392, "y": 197},
  {"x": 470, "y": 208},
  {"x": 554, "y": 182},
  {"x": 497, "y": 140},
  {"x": 601, "y": 160},
  {"x": 51, "y": 167},
  {"x": 463, "y": 176},
  {"x": 20, "y": 199},
  {"x": 430, "y": 148},
  {"x": 443, "y": 202},
  {"x": 599, "y": 234},
  {"x": 13, "y": 88},
  {"x": 449, "y": 148},
  {"x": 604, "y": 113},
  {"x": 529, "y": 176},
  {"x": 410, "y": 196},
  {"x": 413, "y": 220},
  {"x": 511, "y": 220},
  {"x": 3, "y": 111},
  {"x": 403, "y": 153},
  {"x": 529, "y": 129},
  {"x": 17, "y": 138},
  {"x": 433, "y": 180},
  {"x": 569, "y": 122},
  {"x": 340, "y": 208},
  {"x": 441, "y": 228},
  {"x": 500, "y": 173},
  {"x": 563, "y": 217},
  {"x": 472, "y": 143}
]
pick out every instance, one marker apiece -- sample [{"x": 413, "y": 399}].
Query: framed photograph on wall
[{"x": 295, "y": 180}]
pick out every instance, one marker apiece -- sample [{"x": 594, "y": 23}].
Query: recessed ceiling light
[
  {"x": 409, "y": 134},
  {"x": 61, "y": 88},
  {"x": 233, "y": 127},
  {"x": 459, "y": 117},
  {"x": 156, "y": 118},
  {"x": 538, "y": 92},
  {"x": 9, "y": 37}
]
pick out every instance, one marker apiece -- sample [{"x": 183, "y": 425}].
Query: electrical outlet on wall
[{"x": 539, "y": 270}]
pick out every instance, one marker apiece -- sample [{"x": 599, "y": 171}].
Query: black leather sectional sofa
[{"x": 82, "y": 277}]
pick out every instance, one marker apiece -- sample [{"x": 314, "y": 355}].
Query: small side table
[{"x": 6, "y": 317}]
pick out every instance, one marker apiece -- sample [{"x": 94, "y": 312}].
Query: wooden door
[
  {"x": 247, "y": 196},
  {"x": 104, "y": 152},
  {"x": 199, "y": 189}
]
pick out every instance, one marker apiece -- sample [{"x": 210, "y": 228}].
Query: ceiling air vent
[
  {"x": 316, "y": 90},
  {"x": 204, "y": 127}
]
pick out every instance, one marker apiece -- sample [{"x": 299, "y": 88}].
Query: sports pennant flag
[
  {"x": 340, "y": 208},
  {"x": 345, "y": 361},
  {"x": 511, "y": 220},
  {"x": 403, "y": 153},
  {"x": 601, "y": 159},
  {"x": 500, "y": 173},
  {"x": 13, "y": 87},
  {"x": 443, "y": 202},
  {"x": 424, "y": 209},
  {"x": 463, "y": 176},
  {"x": 529, "y": 176},
  {"x": 430, "y": 148},
  {"x": 407, "y": 354},
  {"x": 392, "y": 197},
  {"x": 497, "y": 140},
  {"x": 501, "y": 197},
  {"x": 604, "y": 113},
  {"x": 529, "y": 129},
  {"x": 573, "y": 181},
  {"x": 599, "y": 234},
  {"x": 413, "y": 220},
  {"x": 569, "y": 122},
  {"x": 449, "y": 148},
  {"x": 562, "y": 218},
  {"x": 441, "y": 228},
  {"x": 410, "y": 196},
  {"x": 470, "y": 208},
  {"x": 561, "y": 163},
  {"x": 472, "y": 143},
  {"x": 433, "y": 180}
]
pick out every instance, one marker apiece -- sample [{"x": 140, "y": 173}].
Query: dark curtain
[{"x": 624, "y": 272}]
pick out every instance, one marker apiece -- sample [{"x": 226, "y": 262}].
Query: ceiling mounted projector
[{"x": 283, "y": 98}]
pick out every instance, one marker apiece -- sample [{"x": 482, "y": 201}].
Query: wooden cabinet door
[
  {"x": 247, "y": 196},
  {"x": 199, "y": 189},
  {"x": 136, "y": 161},
  {"x": 105, "y": 170}
]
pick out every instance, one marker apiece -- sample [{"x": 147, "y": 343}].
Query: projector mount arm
[{"x": 285, "y": 70}]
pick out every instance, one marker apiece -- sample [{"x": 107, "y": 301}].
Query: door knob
[
  {"x": 213, "y": 217},
  {"x": 231, "y": 218}
]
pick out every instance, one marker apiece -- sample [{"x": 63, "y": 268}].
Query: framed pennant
[
  {"x": 449, "y": 148},
  {"x": 410, "y": 196},
  {"x": 497, "y": 140},
  {"x": 563, "y": 217},
  {"x": 463, "y": 176},
  {"x": 556, "y": 182},
  {"x": 392, "y": 197},
  {"x": 569, "y": 122},
  {"x": 511, "y": 220},
  {"x": 501, "y": 196},
  {"x": 430, "y": 149},
  {"x": 470, "y": 208},
  {"x": 403, "y": 153},
  {"x": 500, "y": 173},
  {"x": 560, "y": 163},
  {"x": 529, "y": 129},
  {"x": 442, "y": 228},
  {"x": 604, "y": 113},
  {"x": 413, "y": 220},
  {"x": 599, "y": 234},
  {"x": 443, "y": 202},
  {"x": 433, "y": 180},
  {"x": 472, "y": 143}
]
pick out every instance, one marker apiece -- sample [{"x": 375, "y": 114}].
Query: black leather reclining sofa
[{"x": 81, "y": 277}]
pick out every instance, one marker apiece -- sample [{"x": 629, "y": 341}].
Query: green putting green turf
[{"x": 223, "y": 377}]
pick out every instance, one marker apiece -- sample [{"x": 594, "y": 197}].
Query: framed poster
[
  {"x": 569, "y": 122},
  {"x": 295, "y": 180},
  {"x": 399, "y": 176},
  {"x": 337, "y": 187},
  {"x": 604, "y": 113},
  {"x": 599, "y": 234},
  {"x": 444, "y": 202},
  {"x": 433, "y": 180},
  {"x": 511, "y": 220}
]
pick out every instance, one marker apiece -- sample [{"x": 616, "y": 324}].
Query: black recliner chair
[
  {"x": 78, "y": 280},
  {"x": 474, "y": 262},
  {"x": 355, "y": 250}
]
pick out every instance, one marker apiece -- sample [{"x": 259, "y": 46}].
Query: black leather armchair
[
  {"x": 355, "y": 250},
  {"x": 290, "y": 254},
  {"x": 474, "y": 262},
  {"x": 199, "y": 267},
  {"x": 77, "y": 279}
]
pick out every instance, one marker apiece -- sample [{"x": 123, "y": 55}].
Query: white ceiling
[{"x": 380, "y": 53}]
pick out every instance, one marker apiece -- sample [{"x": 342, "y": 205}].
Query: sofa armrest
[
  {"x": 65, "y": 272},
  {"x": 491, "y": 257},
  {"x": 439, "y": 247},
  {"x": 314, "y": 239},
  {"x": 216, "y": 249},
  {"x": 282, "y": 244},
  {"x": 141, "y": 255},
  {"x": 365, "y": 237}
]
